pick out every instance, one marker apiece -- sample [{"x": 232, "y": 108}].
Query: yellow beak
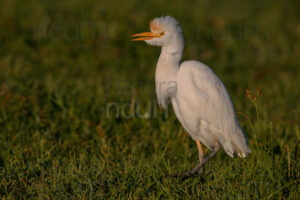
[{"x": 145, "y": 36}]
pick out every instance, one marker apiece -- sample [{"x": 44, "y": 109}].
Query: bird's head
[{"x": 165, "y": 31}]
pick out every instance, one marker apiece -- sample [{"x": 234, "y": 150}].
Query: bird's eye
[{"x": 162, "y": 33}]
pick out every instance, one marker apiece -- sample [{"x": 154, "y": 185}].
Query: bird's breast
[{"x": 164, "y": 91}]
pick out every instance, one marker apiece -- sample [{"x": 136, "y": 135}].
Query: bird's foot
[{"x": 197, "y": 170}]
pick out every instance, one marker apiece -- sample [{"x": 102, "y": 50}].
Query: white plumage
[{"x": 199, "y": 99}]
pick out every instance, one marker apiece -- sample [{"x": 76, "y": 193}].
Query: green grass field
[{"x": 78, "y": 112}]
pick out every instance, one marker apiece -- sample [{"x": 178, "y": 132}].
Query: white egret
[{"x": 199, "y": 98}]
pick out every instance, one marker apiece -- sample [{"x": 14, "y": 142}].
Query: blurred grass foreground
[{"x": 78, "y": 112}]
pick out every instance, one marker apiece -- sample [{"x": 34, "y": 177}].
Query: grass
[{"x": 78, "y": 114}]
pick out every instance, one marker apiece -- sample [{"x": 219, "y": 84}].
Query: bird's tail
[{"x": 240, "y": 144}]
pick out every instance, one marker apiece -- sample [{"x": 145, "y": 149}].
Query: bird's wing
[{"x": 207, "y": 100}]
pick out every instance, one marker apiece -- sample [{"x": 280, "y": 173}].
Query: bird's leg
[
  {"x": 202, "y": 159},
  {"x": 201, "y": 154}
]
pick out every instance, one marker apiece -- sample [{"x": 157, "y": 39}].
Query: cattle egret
[{"x": 199, "y": 98}]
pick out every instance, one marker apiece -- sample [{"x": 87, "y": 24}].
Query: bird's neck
[
  {"x": 168, "y": 62},
  {"x": 166, "y": 73}
]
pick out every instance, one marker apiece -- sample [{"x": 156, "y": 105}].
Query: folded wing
[{"x": 206, "y": 110}]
